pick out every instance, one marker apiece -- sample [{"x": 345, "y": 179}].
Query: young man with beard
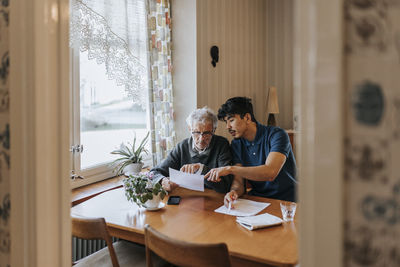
[{"x": 261, "y": 154}]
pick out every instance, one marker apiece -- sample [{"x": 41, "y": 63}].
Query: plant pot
[
  {"x": 133, "y": 168},
  {"x": 153, "y": 203}
]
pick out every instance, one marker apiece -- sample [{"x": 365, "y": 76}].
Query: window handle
[
  {"x": 76, "y": 149},
  {"x": 75, "y": 176}
]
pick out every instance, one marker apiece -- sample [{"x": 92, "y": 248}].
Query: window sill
[{"x": 83, "y": 193}]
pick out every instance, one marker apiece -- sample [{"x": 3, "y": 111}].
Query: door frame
[
  {"x": 319, "y": 95},
  {"x": 40, "y": 121},
  {"x": 39, "y": 127}
]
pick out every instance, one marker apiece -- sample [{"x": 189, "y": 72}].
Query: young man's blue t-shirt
[{"x": 268, "y": 139}]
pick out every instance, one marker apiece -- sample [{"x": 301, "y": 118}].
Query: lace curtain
[
  {"x": 161, "y": 97},
  {"x": 113, "y": 33}
]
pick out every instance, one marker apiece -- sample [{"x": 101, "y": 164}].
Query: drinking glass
[{"x": 288, "y": 211}]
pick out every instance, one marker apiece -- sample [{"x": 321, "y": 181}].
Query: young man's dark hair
[{"x": 236, "y": 105}]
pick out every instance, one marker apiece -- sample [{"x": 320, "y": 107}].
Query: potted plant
[
  {"x": 131, "y": 157},
  {"x": 144, "y": 190}
]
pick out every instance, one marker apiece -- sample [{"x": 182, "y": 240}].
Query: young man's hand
[
  {"x": 214, "y": 175},
  {"x": 230, "y": 197}
]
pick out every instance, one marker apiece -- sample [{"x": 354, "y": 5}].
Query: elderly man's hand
[
  {"x": 168, "y": 185},
  {"x": 214, "y": 175},
  {"x": 191, "y": 168}
]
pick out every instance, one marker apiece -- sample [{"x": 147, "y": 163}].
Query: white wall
[{"x": 183, "y": 14}]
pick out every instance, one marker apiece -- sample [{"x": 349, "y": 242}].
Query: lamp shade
[{"x": 272, "y": 101}]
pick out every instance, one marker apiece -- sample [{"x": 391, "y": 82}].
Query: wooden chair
[
  {"x": 183, "y": 253},
  {"x": 122, "y": 253}
]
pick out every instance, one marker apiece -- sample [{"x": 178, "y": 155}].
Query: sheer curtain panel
[{"x": 114, "y": 33}]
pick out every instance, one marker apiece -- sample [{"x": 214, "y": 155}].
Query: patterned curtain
[{"x": 161, "y": 98}]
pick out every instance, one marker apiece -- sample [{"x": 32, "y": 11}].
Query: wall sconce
[
  {"x": 272, "y": 106},
  {"x": 214, "y": 51}
]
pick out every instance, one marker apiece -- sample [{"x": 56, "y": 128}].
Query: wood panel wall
[
  {"x": 279, "y": 58},
  {"x": 249, "y": 34}
]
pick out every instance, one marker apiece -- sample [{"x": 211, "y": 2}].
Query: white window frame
[{"x": 102, "y": 171}]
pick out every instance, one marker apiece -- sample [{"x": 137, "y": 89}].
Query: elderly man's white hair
[{"x": 202, "y": 116}]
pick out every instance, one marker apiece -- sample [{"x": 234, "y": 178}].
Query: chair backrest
[
  {"x": 95, "y": 228},
  {"x": 184, "y": 253}
]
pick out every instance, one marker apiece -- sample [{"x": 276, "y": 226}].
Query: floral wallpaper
[
  {"x": 372, "y": 143},
  {"x": 4, "y": 136}
]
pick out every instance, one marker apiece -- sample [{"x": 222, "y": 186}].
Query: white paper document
[
  {"x": 187, "y": 180},
  {"x": 243, "y": 207},
  {"x": 258, "y": 221}
]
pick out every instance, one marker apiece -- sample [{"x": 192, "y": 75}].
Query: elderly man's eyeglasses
[{"x": 206, "y": 134}]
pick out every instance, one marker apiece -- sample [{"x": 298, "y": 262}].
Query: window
[
  {"x": 104, "y": 115},
  {"x": 124, "y": 40},
  {"x": 103, "y": 118}
]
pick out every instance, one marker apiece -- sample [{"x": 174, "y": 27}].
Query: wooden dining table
[{"x": 194, "y": 220}]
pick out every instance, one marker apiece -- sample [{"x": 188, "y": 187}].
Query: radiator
[{"x": 82, "y": 248}]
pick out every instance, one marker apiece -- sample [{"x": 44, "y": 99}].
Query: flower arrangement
[{"x": 142, "y": 187}]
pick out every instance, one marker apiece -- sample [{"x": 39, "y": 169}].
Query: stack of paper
[{"x": 258, "y": 221}]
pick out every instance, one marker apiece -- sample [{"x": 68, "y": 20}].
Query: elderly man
[{"x": 201, "y": 152}]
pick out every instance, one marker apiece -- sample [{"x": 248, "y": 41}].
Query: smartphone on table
[{"x": 174, "y": 200}]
